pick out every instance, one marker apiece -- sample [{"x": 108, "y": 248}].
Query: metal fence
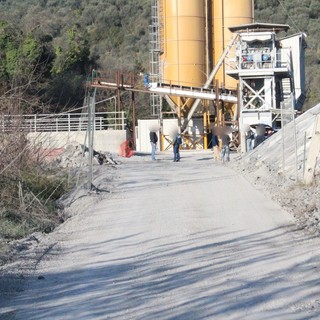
[{"x": 62, "y": 122}]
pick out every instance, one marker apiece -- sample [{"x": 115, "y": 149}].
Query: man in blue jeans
[
  {"x": 153, "y": 141},
  {"x": 176, "y": 146},
  {"x": 225, "y": 150}
]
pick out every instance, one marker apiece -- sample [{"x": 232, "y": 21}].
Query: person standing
[
  {"x": 146, "y": 80},
  {"x": 258, "y": 140},
  {"x": 215, "y": 146},
  {"x": 176, "y": 147},
  {"x": 153, "y": 141},
  {"x": 225, "y": 150},
  {"x": 260, "y": 135},
  {"x": 249, "y": 139}
]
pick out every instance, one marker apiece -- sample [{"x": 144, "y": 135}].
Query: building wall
[
  {"x": 143, "y": 134},
  {"x": 104, "y": 140},
  {"x": 195, "y": 129},
  {"x": 295, "y": 44}
]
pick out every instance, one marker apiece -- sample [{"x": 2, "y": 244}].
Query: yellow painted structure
[
  {"x": 227, "y": 13},
  {"x": 193, "y": 36},
  {"x": 183, "y": 40}
]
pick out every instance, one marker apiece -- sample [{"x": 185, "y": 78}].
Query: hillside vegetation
[
  {"x": 59, "y": 42},
  {"x": 301, "y": 16}
]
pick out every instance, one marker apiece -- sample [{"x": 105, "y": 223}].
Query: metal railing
[
  {"x": 62, "y": 122},
  {"x": 275, "y": 59}
]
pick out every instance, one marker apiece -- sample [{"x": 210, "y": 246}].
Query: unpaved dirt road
[{"x": 189, "y": 240}]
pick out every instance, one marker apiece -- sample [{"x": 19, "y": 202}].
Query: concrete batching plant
[
  {"x": 214, "y": 66},
  {"x": 214, "y": 44},
  {"x": 189, "y": 38}
]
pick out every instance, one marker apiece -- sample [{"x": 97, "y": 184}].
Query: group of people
[
  {"x": 176, "y": 142},
  {"x": 221, "y": 149},
  {"x": 222, "y": 153},
  {"x": 255, "y": 139},
  {"x": 220, "y": 143}
]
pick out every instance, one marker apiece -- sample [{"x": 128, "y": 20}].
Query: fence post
[
  {"x": 313, "y": 154},
  {"x": 304, "y": 153},
  {"x": 91, "y": 122},
  {"x": 294, "y": 135},
  {"x": 282, "y": 138},
  {"x": 122, "y": 119}
]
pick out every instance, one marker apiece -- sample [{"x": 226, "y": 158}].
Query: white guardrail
[{"x": 62, "y": 122}]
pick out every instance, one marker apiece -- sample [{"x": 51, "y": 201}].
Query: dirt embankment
[
  {"x": 278, "y": 165},
  {"x": 302, "y": 201}
]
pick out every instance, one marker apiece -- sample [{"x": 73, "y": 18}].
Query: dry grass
[{"x": 28, "y": 191}]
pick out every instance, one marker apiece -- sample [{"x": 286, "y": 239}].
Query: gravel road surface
[{"x": 188, "y": 240}]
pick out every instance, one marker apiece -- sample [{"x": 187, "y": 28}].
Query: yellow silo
[
  {"x": 193, "y": 36},
  {"x": 183, "y": 42},
  {"x": 227, "y": 13},
  {"x": 187, "y": 51}
]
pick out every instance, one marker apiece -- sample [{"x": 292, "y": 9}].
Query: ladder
[{"x": 155, "y": 51}]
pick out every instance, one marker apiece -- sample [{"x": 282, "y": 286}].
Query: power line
[{"x": 289, "y": 16}]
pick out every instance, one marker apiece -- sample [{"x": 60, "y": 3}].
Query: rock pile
[{"x": 76, "y": 156}]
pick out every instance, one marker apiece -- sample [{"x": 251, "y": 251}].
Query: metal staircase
[{"x": 286, "y": 89}]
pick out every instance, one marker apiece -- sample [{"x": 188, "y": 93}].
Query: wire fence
[{"x": 287, "y": 151}]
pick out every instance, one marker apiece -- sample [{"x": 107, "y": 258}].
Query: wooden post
[
  {"x": 117, "y": 115},
  {"x": 313, "y": 154}
]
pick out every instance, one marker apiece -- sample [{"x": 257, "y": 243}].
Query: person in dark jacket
[
  {"x": 153, "y": 141},
  {"x": 260, "y": 137},
  {"x": 249, "y": 139},
  {"x": 258, "y": 140},
  {"x": 176, "y": 147}
]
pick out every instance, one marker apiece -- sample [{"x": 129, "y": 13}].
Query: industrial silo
[
  {"x": 227, "y": 13},
  {"x": 183, "y": 42},
  {"x": 187, "y": 52},
  {"x": 193, "y": 36}
]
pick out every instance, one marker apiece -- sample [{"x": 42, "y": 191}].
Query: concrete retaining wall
[{"x": 104, "y": 140}]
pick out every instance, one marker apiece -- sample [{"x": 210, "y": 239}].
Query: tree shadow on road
[{"x": 207, "y": 275}]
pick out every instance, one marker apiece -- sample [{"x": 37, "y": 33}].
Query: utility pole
[{"x": 90, "y": 130}]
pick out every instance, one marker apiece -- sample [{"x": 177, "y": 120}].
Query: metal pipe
[
  {"x": 208, "y": 82},
  {"x": 223, "y": 41},
  {"x": 252, "y": 13},
  {"x": 178, "y": 47},
  {"x": 207, "y": 35},
  {"x": 133, "y": 121},
  {"x": 91, "y": 116}
]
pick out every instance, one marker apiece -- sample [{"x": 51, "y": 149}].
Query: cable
[{"x": 290, "y": 18}]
